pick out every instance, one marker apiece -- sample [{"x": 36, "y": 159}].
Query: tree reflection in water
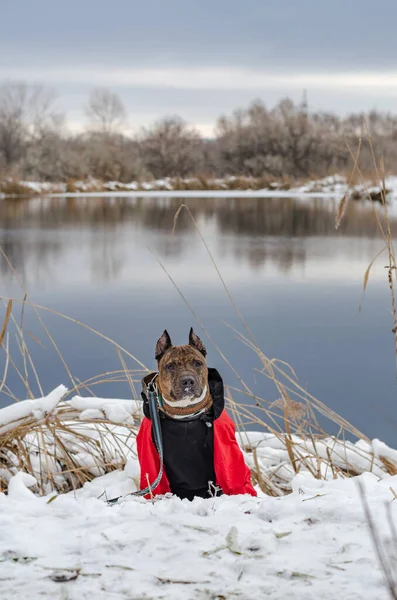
[{"x": 38, "y": 234}]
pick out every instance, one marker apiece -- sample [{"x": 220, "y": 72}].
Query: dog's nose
[{"x": 187, "y": 381}]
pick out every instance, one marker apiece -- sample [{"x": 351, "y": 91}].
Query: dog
[{"x": 201, "y": 455}]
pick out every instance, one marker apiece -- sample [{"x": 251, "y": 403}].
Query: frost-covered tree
[
  {"x": 105, "y": 111},
  {"x": 25, "y": 112}
]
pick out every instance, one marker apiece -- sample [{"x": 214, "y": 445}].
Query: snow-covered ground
[{"x": 311, "y": 544}]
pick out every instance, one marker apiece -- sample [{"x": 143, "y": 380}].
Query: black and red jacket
[{"x": 197, "y": 451}]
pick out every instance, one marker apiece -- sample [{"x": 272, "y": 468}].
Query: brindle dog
[
  {"x": 201, "y": 454},
  {"x": 183, "y": 376}
]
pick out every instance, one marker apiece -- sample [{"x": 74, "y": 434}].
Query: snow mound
[
  {"x": 313, "y": 543},
  {"x": 18, "y": 487},
  {"x": 11, "y": 416},
  {"x": 116, "y": 411}
]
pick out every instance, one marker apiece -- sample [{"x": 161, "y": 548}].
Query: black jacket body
[{"x": 188, "y": 445}]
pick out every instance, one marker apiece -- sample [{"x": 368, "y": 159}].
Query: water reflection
[
  {"x": 35, "y": 233},
  {"x": 295, "y": 278},
  {"x": 240, "y": 216}
]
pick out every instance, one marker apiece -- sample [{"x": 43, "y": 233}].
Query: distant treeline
[{"x": 284, "y": 142}]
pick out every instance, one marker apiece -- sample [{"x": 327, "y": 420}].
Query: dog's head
[{"x": 183, "y": 374}]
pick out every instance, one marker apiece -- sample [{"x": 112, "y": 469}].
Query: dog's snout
[{"x": 187, "y": 381}]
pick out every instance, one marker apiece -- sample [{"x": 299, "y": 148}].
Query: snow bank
[
  {"x": 328, "y": 458},
  {"x": 333, "y": 186},
  {"x": 311, "y": 544}
]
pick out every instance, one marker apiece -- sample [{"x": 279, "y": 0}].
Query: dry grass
[
  {"x": 13, "y": 188},
  {"x": 385, "y": 552},
  {"x": 61, "y": 451},
  {"x": 384, "y": 225},
  {"x": 71, "y": 187}
]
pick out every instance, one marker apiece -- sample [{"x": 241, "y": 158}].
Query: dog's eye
[
  {"x": 170, "y": 366},
  {"x": 197, "y": 363}
]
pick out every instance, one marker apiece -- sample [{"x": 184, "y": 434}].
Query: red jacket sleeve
[
  {"x": 149, "y": 460},
  {"x": 232, "y": 473}
]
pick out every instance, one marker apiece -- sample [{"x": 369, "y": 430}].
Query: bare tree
[
  {"x": 12, "y": 120},
  {"x": 105, "y": 111},
  {"x": 285, "y": 140},
  {"x": 170, "y": 148},
  {"x": 25, "y": 112}
]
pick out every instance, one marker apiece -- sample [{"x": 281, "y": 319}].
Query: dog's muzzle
[{"x": 188, "y": 387}]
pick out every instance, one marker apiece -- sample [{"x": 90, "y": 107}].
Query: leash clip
[
  {"x": 154, "y": 405},
  {"x": 153, "y": 389}
]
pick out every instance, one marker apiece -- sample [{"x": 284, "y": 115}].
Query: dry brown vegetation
[
  {"x": 12, "y": 187},
  {"x": 62, "y": 452}
]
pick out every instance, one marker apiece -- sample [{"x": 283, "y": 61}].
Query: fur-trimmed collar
[{"x": 215, "y": 383}]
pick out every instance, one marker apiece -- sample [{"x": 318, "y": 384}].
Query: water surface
[{"x": 297, "y": 281}]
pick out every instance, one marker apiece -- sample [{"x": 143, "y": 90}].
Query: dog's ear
[
  {"x": 162, "y": 345},
  {"x": 195, "y": 341}
]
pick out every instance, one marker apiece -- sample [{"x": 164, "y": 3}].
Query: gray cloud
[
  {"x": 259, "y": 48},
  {"x": 304, "y": 33}
]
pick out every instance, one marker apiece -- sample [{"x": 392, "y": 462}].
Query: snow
[
  {"x": 275, "y": 465},
  {"x": 313, "y": 543},
  {"x": 382, "y": 450},
  {"x": 43, "y": 186},
  {"x": 115, "y": 410},
  {"x": 112, "y": 409},
  {"x": 18, "y": 487},
  {"x": 12, "y": 415},
  {"x": 332, "y": 186}
]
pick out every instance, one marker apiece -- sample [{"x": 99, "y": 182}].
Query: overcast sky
[{"x": 201, "y": 58}]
